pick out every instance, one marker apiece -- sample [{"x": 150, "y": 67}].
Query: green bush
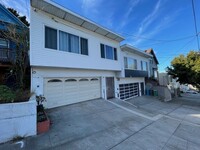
[{"x": 6, "y": 94}]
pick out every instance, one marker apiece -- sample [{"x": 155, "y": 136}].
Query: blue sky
[{"x": 167, "y": 26}]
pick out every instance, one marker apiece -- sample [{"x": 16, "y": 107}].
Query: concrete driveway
[{"x": 99, "y": 124}]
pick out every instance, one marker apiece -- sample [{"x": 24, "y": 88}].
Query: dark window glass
[
  {"x": 109, "y": 52},
  {"x": 125, "y": 63},
  {"x": 83, "y": 80},
  {"x": 102, "y": 51},
  {"x": 94, "y": 79},
  {"x": 115, "y": 53},
  {"x": 50, "y": 38},
  {"x": 55, "y": 80},
  {"x": 84, "y": 46},
  {"x": 70, "y": 80}
]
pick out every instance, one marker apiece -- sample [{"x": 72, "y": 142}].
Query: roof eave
[
  {"x": 67, "y": 15},
  {"x": 132, "y": 49}
]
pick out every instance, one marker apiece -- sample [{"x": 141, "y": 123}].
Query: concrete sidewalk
[{"x": 100, "y": 125}]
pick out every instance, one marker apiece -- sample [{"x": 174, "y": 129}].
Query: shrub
[{"x": 6, "y": 94}]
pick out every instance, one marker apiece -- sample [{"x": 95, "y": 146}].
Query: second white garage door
[{"x": 63, "y": 91}]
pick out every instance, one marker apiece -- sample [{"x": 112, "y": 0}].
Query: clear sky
[{"x": 167, "y": 26}]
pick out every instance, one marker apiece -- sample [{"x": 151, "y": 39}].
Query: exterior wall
[
  {"x": 41, "y": 56},
  {"x": 135, "y": 56},
  {"x": 39, "y": 73},
  {"x": 154, "y": 69},
  {"x": 130, "y": 80},
  {"x": 164, "y": 79},
  {"x": 163, "y": 92},
  {"x": 18, "y": 119}
]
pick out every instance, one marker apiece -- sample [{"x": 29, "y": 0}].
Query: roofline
[
  {"x": 135, "y": 49},
  {"x": 13, "y": 16},
  {"x": 153, "y": 54},
  {"x": 81, "y": 17}
]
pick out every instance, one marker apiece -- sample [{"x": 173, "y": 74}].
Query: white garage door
[
  {"x": 128, "y": 90},
  {"x": 63, "y": 91}
]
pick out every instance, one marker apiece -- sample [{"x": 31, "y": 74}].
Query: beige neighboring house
[{"x": 153, "y": 64}]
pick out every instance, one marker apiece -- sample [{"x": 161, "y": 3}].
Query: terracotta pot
[{"x": 43, "y": 126}]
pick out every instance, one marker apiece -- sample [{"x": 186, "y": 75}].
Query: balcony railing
[
  {"x": 6, "y": 55},
  {"x": 135, "y": 73}
]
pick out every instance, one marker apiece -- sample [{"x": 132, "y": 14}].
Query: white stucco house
[{"x": 74, "y": 59}]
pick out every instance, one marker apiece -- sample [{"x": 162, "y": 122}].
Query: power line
[
  {"x": 158, "y": 40},
  {"x": 175, "y": 40},
  {"x": 195, "y": 24},
  {"x": 189, "y": 42}
]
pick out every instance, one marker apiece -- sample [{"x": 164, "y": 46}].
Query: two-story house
[
  {"x": 7, "y": 46},
  {"x": 135, "y": 67},
  {"x": 74, "y": 59}
]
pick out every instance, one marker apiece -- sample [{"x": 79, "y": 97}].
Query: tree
[
  {"x": 20, "y": 36},
  {"x": 186, "y": 68},
  {"x": 22, "y": 18}
]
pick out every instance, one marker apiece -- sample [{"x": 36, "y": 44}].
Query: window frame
[
  {"x": 126, "y": 65},
  {"x": 58, "y": 41},
  {"x": 142, "y": 65},
  {"x": 57, "y": 38},
  {"x": 81, "y": 46},
  {"x": 115, "y": 57}
]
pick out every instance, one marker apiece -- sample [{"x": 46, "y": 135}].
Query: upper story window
[
  {"x": 67, "y": 42},
  {"x": 50, "y": 38},
  {"x": 144, "y": 65},
  {"x": 108, "y": 52},
  {"x": 84, "y": 46},
  {"x": 4, "y": 43},
  {"x": 130, "y": 63}
]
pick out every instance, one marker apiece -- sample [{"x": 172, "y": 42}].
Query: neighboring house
[
  {"x": 153, "y": 68},
  {"x": 7, "y": 47},
  {"x": 74, "y": 59},
  {"x": 135, "y": 64}
]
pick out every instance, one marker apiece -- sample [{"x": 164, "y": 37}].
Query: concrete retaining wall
[
  {"x": 163, "y": 92},
  {"x": 17, "y": 119}
]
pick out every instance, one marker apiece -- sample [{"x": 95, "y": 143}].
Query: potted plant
[{"x": 43, "y": 121}]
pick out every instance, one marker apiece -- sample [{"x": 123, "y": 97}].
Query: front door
[
  {"x": 110, "y": 87},
  {"x": 142, "y": 88}
]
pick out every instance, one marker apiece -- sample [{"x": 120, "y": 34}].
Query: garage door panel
[
  {"x": 70, "y": 90},
  {"x": 128, "y": 90}
]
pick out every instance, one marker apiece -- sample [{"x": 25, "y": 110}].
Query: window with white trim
[
  {"x": 50, "y": 38},
  {"x": 144, "y": 65},
  {"x": 66, "y": 42},
  {"x": 108, "y": 52},
  {"x": 130, "y": 63}
]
